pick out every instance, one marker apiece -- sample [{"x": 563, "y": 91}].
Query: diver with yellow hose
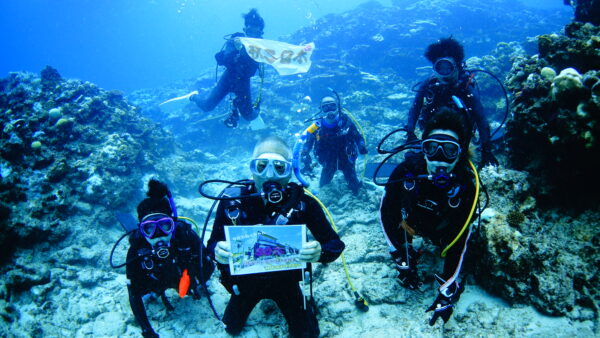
[
  {"x": 270, "y": 199},
  {"x": 433, "y": 194},
  {"x": 337, "y": 144}
]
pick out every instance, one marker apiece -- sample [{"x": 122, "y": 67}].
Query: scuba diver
[
  {"x": 450, "y": 79},
  {"x": 239, "y": 68},
  {"x": 271, "y": 200},
  {"x": 432, "y": 194},
  {"x": 164, "y": 253},
  {"x": 337, "y": 144}
]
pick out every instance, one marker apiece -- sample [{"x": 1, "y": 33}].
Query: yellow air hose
[
  {"x": 360, "y": 302},
  {"x": 191, "y": 220},
  {"x": 364, "y": 138},
  {"x": 475, "y": 199}
]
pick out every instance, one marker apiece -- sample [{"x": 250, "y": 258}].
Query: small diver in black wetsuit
[
  {"x": 164, "y": 250},
  {"x": 239, "y": 68},
  {"x": 432, "y": 194},
  {"x": 337, "y": 144}
]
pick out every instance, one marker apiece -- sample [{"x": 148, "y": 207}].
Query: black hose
[
  {"x": 112, "y": 265},
  {"x": 407, "y": 145},
  {"x": 210, "y": 212},
  {"x": 507, "y": 103},
  {"x": 212, "y": 306},
  {"x": 231, "y": 183}
]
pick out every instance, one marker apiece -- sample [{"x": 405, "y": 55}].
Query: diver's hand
[
  {"x": 149, "y": 334},
  {"x": 307, "y": 168},
  {"x": 443, "y": 306},
  {"x": 222, "y": 252},
  {"x": 238, "y": 43},
  {"x": 310, "y": 252},
  {"x": 408, "y": 275},
  {"x": 487, "y": 158},
  {"x": 362, "y": 149}
]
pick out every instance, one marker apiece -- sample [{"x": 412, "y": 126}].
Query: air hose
[
  {"x": 364, "y": 139},
  {"x": 468, "y": 221},
  {"x": 359, "y": 301}
]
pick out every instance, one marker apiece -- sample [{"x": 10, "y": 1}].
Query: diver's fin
[
  {"x": 385, "y": 170},
  {"x": 128, "y": 222},
  {"x": 176, "y": 103},
  {"x": 257, "y": 124}
]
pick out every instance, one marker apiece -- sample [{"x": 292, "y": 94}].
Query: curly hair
[{"x": 447, "y": 47}]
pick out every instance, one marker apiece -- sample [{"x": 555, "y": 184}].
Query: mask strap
[{"x": 172, "y": 204}]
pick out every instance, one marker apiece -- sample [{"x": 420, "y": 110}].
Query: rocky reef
[
  {"x": 71, "y": 152},
  {"x": 586, "y": 10},
  {"x": 554, "y": 130},
  {"x": 381, "y": 43}
]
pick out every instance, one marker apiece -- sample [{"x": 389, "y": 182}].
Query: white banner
[{"x": 285, "y": 58}]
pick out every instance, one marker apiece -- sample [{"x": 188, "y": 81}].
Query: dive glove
[
  {"x": 222, "y": 252},
  {"x": 362, "y": 149},
  {"x": 408, "y": 275},
  {"x": 307, "y": 161},
  {"x": 232, "y": 121},
  {"x": 487, "y": 158},
  {"x": 149, "y": 334},
  {"x": 443, "y": 306}
]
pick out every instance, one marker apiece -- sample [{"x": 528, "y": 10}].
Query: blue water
[{"x": 131, "y": 44}]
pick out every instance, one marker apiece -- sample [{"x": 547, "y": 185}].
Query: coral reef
[
  {"x": 67, "y": 147},
  {"x": 586, "y": 10},
  {"x": 546, "y": 259},
  {"x": 554, "y": 132}
]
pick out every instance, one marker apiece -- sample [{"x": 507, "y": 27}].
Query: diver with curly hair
[{"x": 450, "y": 79}]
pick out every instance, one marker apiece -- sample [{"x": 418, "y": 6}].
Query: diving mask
[
  {"x": 154, "y": 222},
  {"x": 327, "y": 107},
  {"x": 442, "y": 151},
  {"x": 450, "y": 148},
  {"x": 253, "y": 31},
  {"x": 444, "y": 67},
  {"x": 270, "y": 167}
]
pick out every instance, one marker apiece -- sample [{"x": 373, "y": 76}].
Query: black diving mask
[
  {"x": 444, "y": 67},
  {"x": 329, "y": 107},
  {"x": 448, "y": 146}
]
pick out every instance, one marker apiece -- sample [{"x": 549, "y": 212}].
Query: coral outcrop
[
  {"x": 67, "y": 147},
  {"x": 528, "y": 256},
  {"x": 554, "y": 133}
]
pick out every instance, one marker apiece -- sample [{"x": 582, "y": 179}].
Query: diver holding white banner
[
  {"x": 242, "y": 55},
  {"x": 239, "y": 68}
]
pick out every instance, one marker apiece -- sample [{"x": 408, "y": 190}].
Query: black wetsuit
[
  {"x": 239, "y": 68},
  {"x": 433, "y": 95},
  {"x": 337, "y": 148},
  {"x": 149, "y": 273},
  {"x": 438, "y": 214},
  {"x": 280, "y": 286}
]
